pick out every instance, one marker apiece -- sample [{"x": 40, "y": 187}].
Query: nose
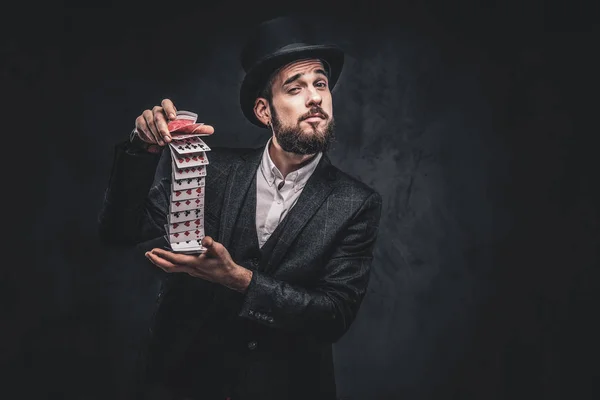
[{"x": 314, "y": 97}]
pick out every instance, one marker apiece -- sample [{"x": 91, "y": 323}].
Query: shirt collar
[{"x": 299, "y": 177}]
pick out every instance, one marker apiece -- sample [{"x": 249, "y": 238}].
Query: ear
[{"x": 262, "y": 110}]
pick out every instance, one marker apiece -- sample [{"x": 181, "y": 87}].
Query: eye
[
  {"x": 321, "y": 84},
  {"x": 294, "y": 90}
]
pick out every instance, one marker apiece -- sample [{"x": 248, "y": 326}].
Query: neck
[{"x": 285, "y": 161}]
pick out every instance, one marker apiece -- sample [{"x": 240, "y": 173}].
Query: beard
[{"x": 293, "y": 139}]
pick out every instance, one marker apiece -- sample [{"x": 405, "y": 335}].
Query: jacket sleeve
[
  {"x": 327, "y": 310},
  {"x": 133, "y": 210}
]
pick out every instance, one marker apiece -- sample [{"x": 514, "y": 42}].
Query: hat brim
[{"x": 258, "y": 75}]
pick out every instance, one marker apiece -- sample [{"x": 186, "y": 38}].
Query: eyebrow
[{"x": 297, "y": 76}]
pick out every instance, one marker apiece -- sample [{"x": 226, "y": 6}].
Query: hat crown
[{"x": 272, "y": 36}]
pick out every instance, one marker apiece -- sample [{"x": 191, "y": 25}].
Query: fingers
[
  {"x": 169, "y": 108},
  {"x": 207, "y": 241},
  {"x": 166, "y": 264},
  {"x": 204, "y": 129},
  {"x": 214, "y": 265},
  {"x": 160, "y": 121},
  {"x": 152, "y": 131},
  {"x": 152, "y": 125},
  {"x": 143, "y": 130},
  {"x": 214, "y": 249},
  {"x": 179, "y": 259},
  {"x": 159, "y": 261}
]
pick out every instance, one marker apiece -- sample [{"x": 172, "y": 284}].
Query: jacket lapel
[
  {"x": 237, "y": 185},
  {"x": 316, "y": 190}
]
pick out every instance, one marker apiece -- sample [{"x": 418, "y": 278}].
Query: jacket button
[{"x": 252, "y": 345}]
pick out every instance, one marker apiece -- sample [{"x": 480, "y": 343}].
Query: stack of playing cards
[{"x": 185, "y": 227}]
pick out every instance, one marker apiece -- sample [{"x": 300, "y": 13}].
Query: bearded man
[{"x": 289, "y": 237}]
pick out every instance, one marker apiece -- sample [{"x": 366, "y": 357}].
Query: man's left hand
[{"x": 215, "y": 265}]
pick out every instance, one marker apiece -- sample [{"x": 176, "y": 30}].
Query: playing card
[
  {"x": 189, "y": 183},
  {"x": 185, "y": 123},
  {"x": 188, "y": 130},
  {"x": 188, "y": 172},
  {"x": 186, "y": 204},
  {"x": 179, "y": 195},
  {"x": 185, "y": 247},
  {"x": 188, "y": 247},
  {"x": 189, "y": 145},
  {"x": 186, "y": 215},
  {"x": 182, "y": 114},
  {"x": 185, "y": 226},
  {"x": 182, "y": 134},
  {"x": 195, "y": 234},
  {"x": 176, "y": 125},
  {"x": 199, "y": 250},
  {"x": 188, "y": 160}
]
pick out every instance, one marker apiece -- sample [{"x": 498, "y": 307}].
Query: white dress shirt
[{"x": 276, "y": 196}]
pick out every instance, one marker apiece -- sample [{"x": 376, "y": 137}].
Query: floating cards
[
  {"x": 185, "y": 227},
  {"x": 184, "y": 124},
  {"x": 189, "y": 145},
  {"x": 188, "y": 172},
  {"x": 188, "y": 160}
]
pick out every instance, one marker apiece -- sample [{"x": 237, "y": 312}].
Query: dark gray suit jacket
[{"x": 276, "y": 338}]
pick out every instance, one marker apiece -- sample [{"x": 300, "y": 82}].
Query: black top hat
[{"x": 278, "y": 42}]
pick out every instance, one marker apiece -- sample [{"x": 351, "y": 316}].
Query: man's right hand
[{"x": 151, "y": 126}]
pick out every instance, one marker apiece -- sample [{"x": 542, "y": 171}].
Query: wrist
[{"x": 238, "y": 279}]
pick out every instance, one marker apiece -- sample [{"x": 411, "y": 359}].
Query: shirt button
[{"x": 252, "y": 345}]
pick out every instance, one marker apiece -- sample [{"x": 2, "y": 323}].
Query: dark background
[{"x": 475, "y": 123}]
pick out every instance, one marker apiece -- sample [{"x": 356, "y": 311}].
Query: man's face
[{"x": 301, "y": 108}]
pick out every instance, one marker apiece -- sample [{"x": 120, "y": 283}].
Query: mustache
[{"x": 315, "y": 111}]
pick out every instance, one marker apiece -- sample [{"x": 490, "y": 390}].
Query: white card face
[
  {"x": 188, "y": 160},
  {"x": 184, "y": 205},
  {"x": 185, "y": 247},
  {"x": 179, "y": 195},
  {"x": 189, "y": 247},
  {"x": 190, "y": 172},
  {"x": 185, "y": 226},
  {"x": 180, "y": 136},
  {"x": 195, "y": 234},
  {"x": 189, "y": 145},
  {"x": 186, "y": 115},
  {"x": 187, "y": 215},
  {"x": 189, "y": 183}
]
